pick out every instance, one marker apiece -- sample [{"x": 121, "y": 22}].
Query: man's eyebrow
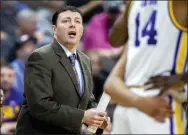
[
  {"x": 78, "y": 18},
  {"x": 67, "y": 18}
]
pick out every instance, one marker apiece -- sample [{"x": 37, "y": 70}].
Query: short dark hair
[
  {"x": 6, "y": 65},
  {"x": 65, "y": 8}
]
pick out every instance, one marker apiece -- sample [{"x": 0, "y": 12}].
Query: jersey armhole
[
  {"x": 129, "y": 8},
  {"x": 173, "y": 18},
  {"x": 127, "y": 13}
]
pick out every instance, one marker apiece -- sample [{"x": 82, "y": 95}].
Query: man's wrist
[
  {"x": 137, "y": 102},
  {"x": 83, "y": 122}
]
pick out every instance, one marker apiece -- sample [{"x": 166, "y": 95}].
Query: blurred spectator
[
  {"x": 6, "y": 43},
  {"x": 21, "y": 6},
  {"x": 9, "y": 10},
  {"x": 88, "y": 7},
  {"x": 8, "y": 17},
  {"x": 33, "y": 4},
  {"x": 97, "y": 46},
  {"x": 24, "y": 46},
  {"x": 27, "y": 24},
  {"x": 13, "y": 101},
  {"x": 8, "y": 26},
  {"x": 44, "y": 19},
  {"x": 96, "y": 35},
  {"x": 95, "y": 38}
]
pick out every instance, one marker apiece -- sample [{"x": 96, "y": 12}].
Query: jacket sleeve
[
  {"x": 92, "y": 102},
  {"x": 39, "y": 96}
]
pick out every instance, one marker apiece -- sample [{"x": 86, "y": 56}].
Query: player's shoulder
[
  {"x": 129, "y": 5},
  {"x": 178, "y": 13}
]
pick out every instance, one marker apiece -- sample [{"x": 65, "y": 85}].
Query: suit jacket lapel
[
  {"x": 65, "y": 62},
  {"x": 85, "y": 73}
]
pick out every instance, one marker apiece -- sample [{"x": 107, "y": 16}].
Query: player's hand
[
  {"x": 94, "y": 118},
  {"x": 164, "y": 83},
  {"x": 156, "y": 107}
]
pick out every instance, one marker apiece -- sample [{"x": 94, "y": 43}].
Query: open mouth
[{"x": 72, "y": 33}]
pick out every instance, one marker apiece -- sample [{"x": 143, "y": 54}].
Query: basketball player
[
  {"x": 173, "y": 82},
  {"x": 157, "y": 44}
]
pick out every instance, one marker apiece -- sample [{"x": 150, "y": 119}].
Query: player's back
[{"x": 155, "y": 44}]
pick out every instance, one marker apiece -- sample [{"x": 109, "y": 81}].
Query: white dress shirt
[{"x": 77, "y": 66}]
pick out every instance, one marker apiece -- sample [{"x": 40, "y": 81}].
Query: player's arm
[
  {"x": 115, "y": 85},
  {"x": 119, "y": 32},
  {"x": 178, "y": 13},
  {"x": 116, "y": 88}
]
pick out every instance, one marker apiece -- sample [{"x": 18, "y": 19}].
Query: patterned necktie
[{"x": 72, "y": 60}]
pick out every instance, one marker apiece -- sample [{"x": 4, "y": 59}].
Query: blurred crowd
[{"x": 26, "y": 25}]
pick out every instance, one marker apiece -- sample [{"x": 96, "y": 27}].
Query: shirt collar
[{"x": 68, "y": 53}]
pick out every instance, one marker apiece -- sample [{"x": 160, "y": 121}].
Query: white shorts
[{"x": 132, "y": 121}]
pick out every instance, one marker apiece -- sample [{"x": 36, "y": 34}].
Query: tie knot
[{"x": 72, "y": 59}]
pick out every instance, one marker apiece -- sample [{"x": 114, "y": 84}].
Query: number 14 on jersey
[{"x": 151, "y": 32}]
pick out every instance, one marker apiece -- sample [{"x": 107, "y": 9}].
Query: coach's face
[{"x": 69, "y": 28}]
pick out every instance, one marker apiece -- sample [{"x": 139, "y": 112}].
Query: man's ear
[
  {"x": 82, "y": 31},
  {"x": 54, "y": 29}
]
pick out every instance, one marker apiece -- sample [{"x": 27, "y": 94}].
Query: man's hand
[
  {"x": 164, "y": 83},
  {"x": 107, "y": 126},
  {"x": 8, "y": 128},
  {"x": 1, "y": 97},
  {"x": 156, "y": 107},
  {"x": 1, "y": 104},
  {"x": 94, "y": 118},
  {"x": 105, "y": 123}
]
